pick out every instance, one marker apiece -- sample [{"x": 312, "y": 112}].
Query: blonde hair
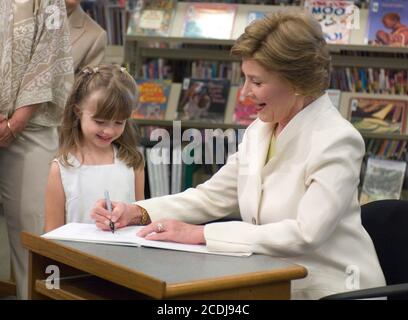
[
  {"x": 119, "y": 98},
  {"x": 290, "y": 43}
]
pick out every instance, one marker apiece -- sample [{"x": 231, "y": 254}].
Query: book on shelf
[
  {"x": 387, "y": 23},
  {"x": 151, "y": 17},
  {"x": 370, "y": 80},
  {"x": 245, "y": 111},
  {"x": 335, "y": 18},
  {"x": 386, "y": 148},
  {"x": 85, "y": 232},
  {"x": 378, "y": 115},
  {"x": 383, "y": 179},
  {"x": 153, "y": 99},
  {"x": 203, "y": 100},
  {"x": 209, "y": 20}
]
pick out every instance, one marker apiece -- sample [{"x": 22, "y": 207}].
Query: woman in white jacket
[{"x": 294, "y": 178}]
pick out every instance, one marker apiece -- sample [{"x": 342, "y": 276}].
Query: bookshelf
[{"x": 139, "y": 48}]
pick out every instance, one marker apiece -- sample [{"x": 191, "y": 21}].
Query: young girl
[{"x": 97, "y": 149}]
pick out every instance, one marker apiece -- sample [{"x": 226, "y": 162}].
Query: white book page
[{"x": 84, "y": 232}]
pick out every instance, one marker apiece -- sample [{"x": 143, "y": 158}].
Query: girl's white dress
[{"x": 85, "y": 184}]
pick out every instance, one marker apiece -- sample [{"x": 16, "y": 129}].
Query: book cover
[
  {"x": 383, "y": 179},
  {"x": 378, "y": 115},
  {"x": 335, "y": 17},
  {"x": 209, "y": 20},
  {"x": 151, "y": 17},
  {"x": 387, "y": 23},
  {"x": 245, "y": 111},
  {"x": 203, "y": 99},
  {"x": 153, "y": 99}
]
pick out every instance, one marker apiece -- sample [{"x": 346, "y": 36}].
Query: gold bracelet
[
  {"x": 11, "y": 130},
  {"x": 144, "y": 219}
]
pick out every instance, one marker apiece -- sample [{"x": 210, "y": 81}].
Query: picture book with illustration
[
  {"x": 151, "y": 17},
  {"x": 209, "y": 20},
  {"x": 153, "y": 99},
  {"x": 387, "y": 23},
  {"x": 335, "y": 17},
  {"x": 203, "y": 99},
  {"x": 378, "y": 115}
]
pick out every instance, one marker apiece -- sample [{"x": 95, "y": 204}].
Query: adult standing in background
[
  {"x": 36, "y": 76},
  {"x": 88, "y": 39}
]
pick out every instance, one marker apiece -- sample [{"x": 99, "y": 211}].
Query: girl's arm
[
  {"x": 139, "y": 184},
  {"x": 54, "y": 199}
]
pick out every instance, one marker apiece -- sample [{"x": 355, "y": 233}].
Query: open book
[{"x": 84, "y": 232}]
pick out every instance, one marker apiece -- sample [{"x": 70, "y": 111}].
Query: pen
[{"x": 109, "y": 207}]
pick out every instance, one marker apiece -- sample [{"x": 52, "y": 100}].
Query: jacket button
[{"x": 253, "y": 221}]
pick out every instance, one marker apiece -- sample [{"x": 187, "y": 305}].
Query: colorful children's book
[
  {"x": 388, "y": 23},
  {"x": 383, "y": 179},
  {"x": 209, "y": 20},
  {"x": 335, "y": 17},
  {"x": 203, "y": 100},
  {"x": 378, "y": 115},
  {"x": 151, "y": 17},
  {"x": 245, "y": 111},
  {"x": 153, "y": 99}
]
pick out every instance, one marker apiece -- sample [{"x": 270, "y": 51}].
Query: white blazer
[{"x": 301, "y": 206}]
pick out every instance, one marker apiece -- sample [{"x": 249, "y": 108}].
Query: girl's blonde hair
[
  {"x": 119, "y": 97},
  {"x": 292, "y": 44}
]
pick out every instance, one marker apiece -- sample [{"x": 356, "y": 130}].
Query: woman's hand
[
  {"x": 173, "y": 230},
  {"x": 122, "y": 214}
]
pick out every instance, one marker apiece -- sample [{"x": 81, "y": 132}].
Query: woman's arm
[
  {"x": 54, "y": 199},
  {"x": 212, "y": 200}
]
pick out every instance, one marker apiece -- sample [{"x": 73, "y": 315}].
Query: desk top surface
[{"x": 177, "y": 266}]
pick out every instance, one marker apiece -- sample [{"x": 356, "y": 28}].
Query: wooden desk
[{"x": 98, "y": 271}]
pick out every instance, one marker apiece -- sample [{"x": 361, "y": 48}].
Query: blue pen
[{"x": 109, "y": 207}]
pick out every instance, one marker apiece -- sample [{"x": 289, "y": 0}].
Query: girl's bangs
[{"x": 114, "y": 105}]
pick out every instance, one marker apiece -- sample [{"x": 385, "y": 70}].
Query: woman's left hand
[{"x": 173, "y": 230}]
